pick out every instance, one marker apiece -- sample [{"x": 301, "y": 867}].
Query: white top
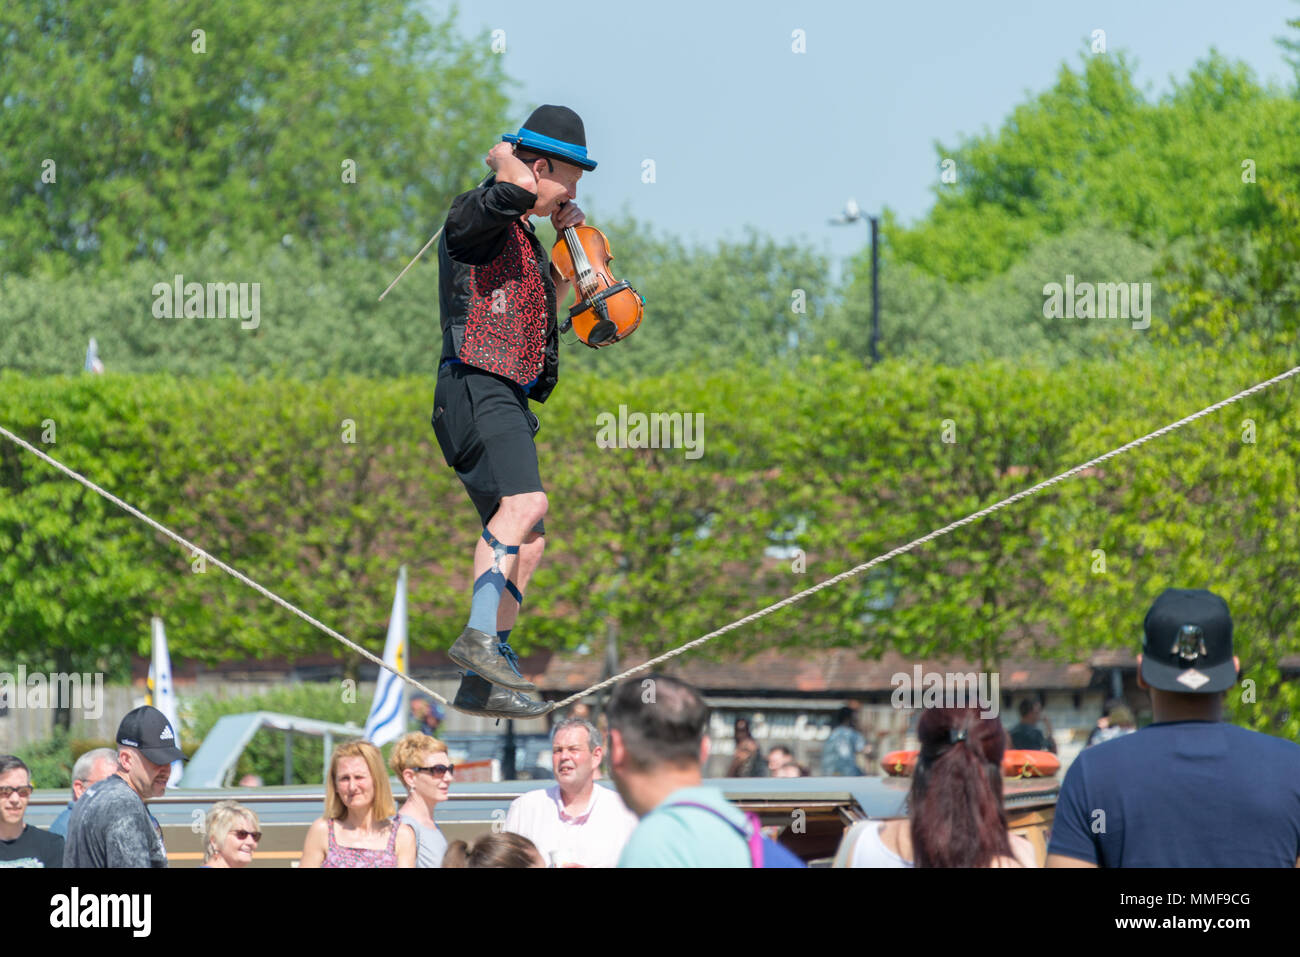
[
  {"x": 872, "y": 852},
  {"x": 594, "y": 837},
  {"x": 862, "y": 846}
]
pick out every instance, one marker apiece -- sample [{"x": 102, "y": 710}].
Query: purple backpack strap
[{"x": 753, "y": 835}]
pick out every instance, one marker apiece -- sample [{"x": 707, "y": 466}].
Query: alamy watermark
[
  {"x": 934, "y": 689},
  {"x": 129, "y": 911},
  {"x": 658, "y": 430},
  {"x": 71, "y": 691},
  {"x": 179, "y": 299},
  {"x": 1103, "y": 300}
]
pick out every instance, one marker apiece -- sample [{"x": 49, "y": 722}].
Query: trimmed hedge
[{"x": 840, "y": 462}]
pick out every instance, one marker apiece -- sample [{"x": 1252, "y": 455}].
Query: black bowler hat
[
  {"x": 1188, "y": 643},
  {"x": 147, "y": 730},
  {"x": 554, "y": 131}
]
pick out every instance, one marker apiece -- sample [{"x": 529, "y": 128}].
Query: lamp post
[{"x": 853, "y": 214}]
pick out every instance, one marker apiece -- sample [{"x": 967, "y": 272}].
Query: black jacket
[{"x": 476, "y": 233}]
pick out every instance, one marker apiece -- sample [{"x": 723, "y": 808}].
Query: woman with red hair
[{"x": 955, "y": 814}]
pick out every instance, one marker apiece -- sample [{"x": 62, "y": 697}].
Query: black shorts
[{"x": 485, "y": 431}]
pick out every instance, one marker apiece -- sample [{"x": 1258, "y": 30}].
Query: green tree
[
  {"x": 312, "y": 320},
  {"x": 1243, "y": 288},
  {"x": 1093, "y": 150},
  {"x": 1211, "y": 507},
  {"x": 72, "y": 565},
  {"x": 927, "y": 318},
  {"x": 162, "y": 135},
  {"x": 747, "y": 300}
]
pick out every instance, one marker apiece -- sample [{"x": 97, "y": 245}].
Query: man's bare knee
[{"x": 529, "y": 507}]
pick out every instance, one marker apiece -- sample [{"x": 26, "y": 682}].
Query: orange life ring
[
  {"x": 899, "y": 764},
  {"x": 1030, "y": 764},
  {"x": 1015, "y": 764}
]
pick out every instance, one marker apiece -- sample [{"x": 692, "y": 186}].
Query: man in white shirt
[{"x": 576, "y": 822}]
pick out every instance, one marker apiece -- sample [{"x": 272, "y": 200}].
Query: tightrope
[
  {"x": 220, "y": 564},
  {"x": 973, "y": 517},
  {"x": 842, "y": 576}
]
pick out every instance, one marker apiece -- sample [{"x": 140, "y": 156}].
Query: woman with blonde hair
[
  {"x": 230, "y": 836},
  {"x": 360, "y": 827},
  {"x": 422, "y": 763}
]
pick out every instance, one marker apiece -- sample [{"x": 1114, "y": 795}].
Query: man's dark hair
[
  {"x": 529, "y": 157},
  {"x": 843, "y": 716},
  {"x": 660, "y": 719},
  {"x": 11, "y": 762},
  {"x": 1026, "y": 706}
]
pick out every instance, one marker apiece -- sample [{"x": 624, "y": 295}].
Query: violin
[{"x": 606, "y": 310}]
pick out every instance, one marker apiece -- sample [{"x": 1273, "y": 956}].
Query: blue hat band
[{"x": 530, "y": 140}]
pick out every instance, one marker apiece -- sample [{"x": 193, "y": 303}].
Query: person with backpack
[{"x": 657, "y": 748}]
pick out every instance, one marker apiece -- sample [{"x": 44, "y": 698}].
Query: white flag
[
  {"x": 92, "y": 358},
  {"x": 162, "y": 693},
  {"x": 387, "y": 720}
]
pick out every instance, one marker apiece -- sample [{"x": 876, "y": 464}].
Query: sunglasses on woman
[
  {"x": 438, "y": 770},
  {"x": 242, "y": 835}
]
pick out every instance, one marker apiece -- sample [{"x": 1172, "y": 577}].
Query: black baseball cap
[
  {"x": 148, "y": 730},
  {"x": 1187, "y": 645}
]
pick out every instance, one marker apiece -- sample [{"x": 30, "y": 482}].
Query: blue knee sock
[
  {"x": 489, "y": 586},
  {"x": 504, "y": 636}
]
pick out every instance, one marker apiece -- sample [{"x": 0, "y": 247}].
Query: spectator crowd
[{"x": 1189, "y": 790}]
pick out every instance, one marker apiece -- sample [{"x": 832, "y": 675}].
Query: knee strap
[
  {"x": 499, "y": 551},
  {"x": 514, "y": 590}
]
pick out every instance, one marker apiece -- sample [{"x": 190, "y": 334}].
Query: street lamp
[{"x": 853, "y": 214}]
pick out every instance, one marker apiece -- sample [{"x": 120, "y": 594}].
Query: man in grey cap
[
  {"x": 110, "y": 825},
  {"x": 1189, "y": 790}
]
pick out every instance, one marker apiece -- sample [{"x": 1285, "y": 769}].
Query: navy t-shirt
[{"x": 1182, "y": 794}]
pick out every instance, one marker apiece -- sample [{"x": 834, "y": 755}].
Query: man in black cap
[
  {"x": 500, "y": 348},
  {"x": 1189, "y": 790},
  {"x": 110, "y": 825}
]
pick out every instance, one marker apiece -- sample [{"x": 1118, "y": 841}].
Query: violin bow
[{"x": 425, "y": 249}]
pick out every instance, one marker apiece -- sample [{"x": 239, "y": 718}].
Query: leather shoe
[
  {"x": 478, "y": 696},
  {"x": 490, "y": 657}
]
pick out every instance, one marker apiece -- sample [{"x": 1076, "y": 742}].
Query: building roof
[
  {"x": 839, "y": 672},
  {"x": 833, "y": 672}
]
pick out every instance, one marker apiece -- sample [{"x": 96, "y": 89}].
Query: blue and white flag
[
  {"x": 162, "y": 693},
  {"x": 387, "y": 720}
]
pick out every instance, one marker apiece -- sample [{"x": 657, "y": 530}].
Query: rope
[
  {"x": 973, "y": 517},
  {"x": 222, "y": 565},
  {"x": 806, "y": 593}
]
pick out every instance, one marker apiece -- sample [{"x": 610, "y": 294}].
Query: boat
[
  {"x": 1015, "y": 764},
  {"x": 807, "y": 815}
]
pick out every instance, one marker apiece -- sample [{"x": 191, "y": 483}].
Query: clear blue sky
[{"x": 743, "y": 131}]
